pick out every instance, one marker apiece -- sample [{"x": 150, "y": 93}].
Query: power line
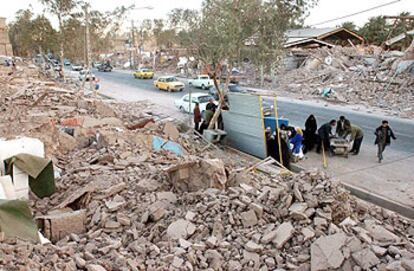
[{"x": 357, "y": 13}]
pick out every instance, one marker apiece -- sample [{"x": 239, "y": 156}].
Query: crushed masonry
[{"x": 119, "y": 205}]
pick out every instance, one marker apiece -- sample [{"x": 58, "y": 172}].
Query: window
[
  {"x": 185, "y": 99},
  {"x": 204, "y": 99},
  {"x": 171, "y": 79},
  {"x": 194, "y": 100},
  {"x": 204, "y": 77}
]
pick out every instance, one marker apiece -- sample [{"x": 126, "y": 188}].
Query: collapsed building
[
  {"x": 135, "y": 190},
  {"x": 5, "y": 45}
]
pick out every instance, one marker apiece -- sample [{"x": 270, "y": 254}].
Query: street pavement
[{"x": 393, "y": 179}]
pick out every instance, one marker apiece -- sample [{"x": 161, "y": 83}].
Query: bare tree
[
  {"x": 217, "y": 36},
  {"x": 60, "y": 8}
]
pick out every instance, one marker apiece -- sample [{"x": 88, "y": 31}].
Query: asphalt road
[
  {"x": 295, "y": 111},
  {"x": 403, "y": 129}
]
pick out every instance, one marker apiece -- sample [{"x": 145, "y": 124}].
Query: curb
[
  {"x": 360, "y": 193},
  {"x": 380, "y": 200}
]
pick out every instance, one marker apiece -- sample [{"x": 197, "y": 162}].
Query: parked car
[
  {"x": 105, "y": 67},
  {"x": 234, "y": 88},
  {"x": 201, "y": 81},
  {"x": 84, "y": 74},
  {"x": 66, "y": 62},
  {"x": 77, "y": 67},
  {"x": 96, "y": 64},
  {"x": 144, "y": 73},
  {"x": 235, "y": 76},
  {"x": 169, "y": 83},
  {"x": 230, "y": 88},
  {"x": 183, "y": 104}
]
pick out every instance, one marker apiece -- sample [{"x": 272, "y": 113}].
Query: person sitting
[{"x": 295, "y": 141}]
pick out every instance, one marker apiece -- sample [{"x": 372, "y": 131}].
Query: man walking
[
  {"x": 357, "y": 135},
  {"x": 325, "y": 134},
  {"x": 197, "y": 117},
  {"x": 383, "y": 135}
]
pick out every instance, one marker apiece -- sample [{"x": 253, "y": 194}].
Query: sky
[{"x": 326, "y": 9}]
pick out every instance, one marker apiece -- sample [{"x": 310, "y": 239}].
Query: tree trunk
[
  {"x": 61, "y": 47},
  {"x": 273, "y": 74},
  {"x": 261, "y": 75},
  {"x": 221, "y": 96}
]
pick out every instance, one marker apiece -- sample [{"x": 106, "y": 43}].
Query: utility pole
[
  {"x": 134, "y": 57},
  {"x": 88, "y": 49}
]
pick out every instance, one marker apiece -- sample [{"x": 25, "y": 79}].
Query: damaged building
[{"x": 5, "y": 45}]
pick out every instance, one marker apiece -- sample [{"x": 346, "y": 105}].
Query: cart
[{"x": 340, "y": 146}]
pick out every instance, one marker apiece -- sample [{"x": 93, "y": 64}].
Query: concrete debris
[
  {"x": 253, "y": 247},
  {"x": 366, "y": 76},
  {"x": 283, "y": 234},
  {"x": 119, "y": 205},
  {"x": 249, "y": 218},
  {"x": 95, "y": 267},
  {"x": 380, "y": 234},
  {"x": 180, "y": 229},
  {"x": 171, "y": 131},
  {"x": 200, "y": 174},
  {"x": 326, "y": 252},
  {"x": 60, "y": 224},
  {"x": 365, "y": 258}
]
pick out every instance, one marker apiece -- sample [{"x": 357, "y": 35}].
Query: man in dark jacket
[
  {"x": 197, "y": 117},
  {"x": 211, "y": 105},
  {"x": 325, "y": 134},
  {"x": 343, "y": 127},
  {"x": 383, "y": 135}
]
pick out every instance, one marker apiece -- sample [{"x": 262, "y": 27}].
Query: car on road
[
  {"x": 169, "y": 83},
  {"x": 231, "y": 88},
  {"x": 105, "y": 67},
  {"x": 201, "y": 81},
  {"x": 183, "y": 104},
  {"x": 66, "y": 62},
  {"x": 144, "y": 73},
  {"x": 77, "y": 67},
  {"x": 85, "y": 75},
  {"x": 234, "y": 88},
  {"x": 235, "y": 76}
]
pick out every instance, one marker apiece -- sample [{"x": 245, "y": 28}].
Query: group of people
[
  {"x": 202, "y": 122},
  {"x": 294, "y": 142},
  {"x": 339, "y": 129}
]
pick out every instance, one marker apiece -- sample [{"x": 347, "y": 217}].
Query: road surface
[{"x": 394, "y": 178}]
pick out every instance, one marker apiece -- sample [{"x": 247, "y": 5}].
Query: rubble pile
[
  {"x": 356, "y": 75},
  {"x": 135, "y": 206}
]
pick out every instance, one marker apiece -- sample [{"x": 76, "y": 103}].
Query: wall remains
[{"x": 5, "y": 45}]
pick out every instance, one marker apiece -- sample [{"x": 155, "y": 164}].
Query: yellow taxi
[
  {"x": 144, "y": 73},
  {"x": 169, "y": 83}
]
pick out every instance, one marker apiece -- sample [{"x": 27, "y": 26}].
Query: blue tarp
[
  {"x": 159, "y": 143},
  {"x": 271, "y": 122}
]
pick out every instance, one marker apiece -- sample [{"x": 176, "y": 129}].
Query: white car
[
  {"x": 201, "y": 81},
  {"x": 77, "y": 67},
  {"x": 183, "y": 104}
]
